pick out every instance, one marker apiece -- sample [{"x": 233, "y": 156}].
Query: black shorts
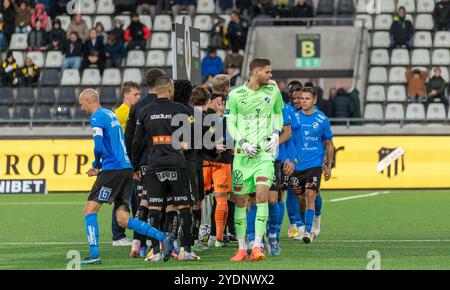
[
  {"x": 192, "y": 174},
  {"x": 113, "y": 186},
  {"x": 276, "y": 181},
  {"x": 140, "y": 189},
  {"x": 306, "y": 179},
  {"x": 167, "y": 187}
]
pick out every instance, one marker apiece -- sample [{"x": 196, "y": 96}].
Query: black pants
[{"x": 442, "y": 97}]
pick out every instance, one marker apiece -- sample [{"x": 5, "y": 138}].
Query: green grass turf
[{"x": 410, "y": 229}]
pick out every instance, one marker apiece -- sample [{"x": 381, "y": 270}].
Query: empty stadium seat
[
  {"x": 203, "y": 22},
  {"x": 381, "y": 39},
  {"x": 65, "y": 21},
  {"x": 204, "y": 40},
  {"x": 125, "y": 19},
  {"x": 80, "y": 114},
  {"x": 70, "y": 77},
  {"x": 383, "y": 22},
  {"x": 378, "y": 75},
  {"x": 415, "y": 112},
  {"x": 424, "y": 22},
  {"x": 379, "y": 57},
  {"x": 37, "y": 57},
  {"x": 108, "y": 95},
  {"x": 422, "y": 39},
  {"x": 105, "y": 7},
  {"x": 169, "y": 60},
  {"x": 111, "y": 77},
  {"x": 376, "y": 94},
  {"x": 395, "y": 112},
  {"x": 6, "y": 96},
  {"x": 42, "y": 112},
  {"x": 18, "y": 41},
  {"x": 325, "y": 7},
  {"x": 222, "y": 54},
  {"x": 160, "y": 40},
  {"x": 54, "y": 59},
  {"x": 21, "y": 113},
  {"x": 397, "y": 75},
  {"x": 410, "y": 5},
  {"x": 361, "y": 6},
  {"x": 18, "y": 56},
  {"x": 442, "y": 39},
  {"x": 396, "y": 93},
  {"x": 135, "y": 58},
  {"x": 25, "y": 96},
  {"x": 420, "y": 57},
  {"x": 400, "y": 56},
  {"x": 441, "y": 57},
  {"x": 146, "y": 20},
  {"x": 62, "y": 112},
  {"x": 105, "y": 20},
  {"x": 4, "y": 113},
  {"x": 67, "y": 95},
  {"x": 436, "y": 111},
  {"x": 162, "y": 23},
  {"x": 46, "y": 96},
  {"x": 132, "y": 74},
  {"x": 425, "y": 6},
  {"x": 364, "y": 19},
  {"x": 156, "y": 58},
  {"x": 50, "y": 77},
  {"x": 88, "y": 20},
  {"x": 346, "y": 7},
  {"x": 91, "y": 77},
  {"x": 373, "y": 112},
  {"x": 444, "y": 73},
  {"x": 205, "y": 6},
  {"x": 88, "y": 7},
  {"x": 179, "y": 19}
]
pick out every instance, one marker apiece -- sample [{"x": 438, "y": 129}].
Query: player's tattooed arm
[{"x": 329, "y": 148}]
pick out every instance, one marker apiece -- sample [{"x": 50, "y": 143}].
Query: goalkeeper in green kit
[{"x": 254, "y": 120}]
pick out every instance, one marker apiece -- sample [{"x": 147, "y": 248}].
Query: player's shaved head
[
  {"x": 91, "y": 95},
  {"x": 164, "y": 86},
  {"x": 220, "y": 83},
  {"x": 152, "y": 75}
]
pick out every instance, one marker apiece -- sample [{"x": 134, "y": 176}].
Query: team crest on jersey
[
  {"x": 191, "y": 119},
  {"x": 315, "y": 125},
  {"x": 227, "y": 112},
  {"x": 237, "y": 175},
  {"x": 267, "y": 99},
  {"x": 104, "y": 194}
]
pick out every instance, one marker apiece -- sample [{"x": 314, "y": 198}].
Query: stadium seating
[
  {"x": 18, "y": 41},
  {"x": 21, "y": 113},
  {"x": 18, "y": 56},
  {"x": 111, "y": 77},
  {"x": 378, "y": 75},
  {"x": 108, "y": 95},
  {"x": 62, "y": 112},
  {"x": 6, "y": 96},
  {"x": 136, "y": 58},
  {"x": 105, "y": 7},
  {"x": 87, "y": 7},
  {"x": 54, "y": 59},
  {"x": 91, "y": 77},
  {"x": 42, "y": 112},
  {"x": 67, "y": 95},
  {"x": 132, "y": 74},
  {"x": 162, "y": 23},
  {"x": 4, "y": 113},
  {"x": 50, "y": 77},
  {"x": 105, "y": 21},
  {"x": 396, "y": 93},
  {"x": 156, "y": 58},
  {"x": 420, "y": 57},
  {"x": 379, "y": 57},
  {"x": 425, "y": 6},
  {"x": 65, "y": 21},
  {"x": 415, "y": 112},
  {"x": 46, "y": 96},
  {"x": 395, "y": 112},
  {"x": 70, "y": 77},
  {"x": 205, "y": 6},
  {"x": 376, "y": 93},
  {"x": 440, "y": 57},
  {"x": 400, "y": 56},
  {"x": 436, "y": 112},
  {"x": 37, "y": 57},
  {"x": 373, "y": 112},
  {"x": 160, "y": 40},
  {"x": 25, "y": 96}
]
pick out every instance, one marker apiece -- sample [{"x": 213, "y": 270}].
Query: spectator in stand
[
  {"x": 37, "y": 38},
  {"x": 30, "y": 73},
  {"x": 137, "y": 34},
  {"x": 57, "y": 36},
  {"x": 23, "y": 16},
  {"x": 219, "y": 34},
  {"x": 237, "y": 31},
  {"x": 2, "y": 35},
  {"x": 49, "y": 7},
  {"x": 262, "y": 7},
  {"x": 118, "y": 31},
  {"x": 302, "y": 10},
  {"x": 79, "y": 26},
  {"x": 9, "y": 71},
  {"x": 93, "y": 60},
  {"x": 402, "y": 30},
  {"x": 148, "y": 7},
  {"x": 441, "y": 15},
  {"x": 342, "y": 106},
  {"x": 323, "y": 105},
  {"x": 101, "y": 34},
  {"x": 212, "y": 64},
  {"x": 125, "y": 5},
  {"x": 93, "y": 44},
  {"x": 9, "y": 19},
  {"x": 39, "y": 13},
  {"x": 416, "y": 85},
  {"x": 234, "y": 59},
  {"x": 436, "y": 87},
  {"x": 243, "y": 7},
  {"x": 234, "y": 74},
  {"x": 60, "y": 6},
  {"x": 115, "y": 52},
  {"x": 282, "y": 10},
  {"x": 184, "y": 5},
  {"x": 224, "y": 6},
  {"x": 73, "y": 52}
]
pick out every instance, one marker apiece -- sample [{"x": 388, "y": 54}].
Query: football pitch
[{"x": 410, "y": 229}]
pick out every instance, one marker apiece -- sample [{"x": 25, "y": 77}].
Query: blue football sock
[
  {"x": 280, "y": 217},
  {"x": 145, "y": 229},
  {"x": 251, "y": 218},
  {"x": 309, "y": 219},
  {"x": 274, "y": 211},
  {"x": 318, "y": 205},
  {"x": 291, "y": 201},
  {"x": 92, "y": 234}
]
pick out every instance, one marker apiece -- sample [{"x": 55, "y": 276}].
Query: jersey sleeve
[
  {"x": 286, "y": 117},
  {"x": 97, "y": 132},
  {"x": 327, "y": 132},
  {"x": 231, "y": 117},
  {"x": 138, "y": 144},
  {"x": 278, "y": 110}
]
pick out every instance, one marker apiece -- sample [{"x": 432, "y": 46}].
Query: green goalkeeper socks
[
  {"x": 240, "y": 221},
  {"x": 262, "y": 214}
]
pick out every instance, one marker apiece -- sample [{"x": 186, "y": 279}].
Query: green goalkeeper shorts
[{"x": 250, "y": 172}]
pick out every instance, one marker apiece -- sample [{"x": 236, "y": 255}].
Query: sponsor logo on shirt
[
  {"x": 160, "y": 116},
  {"x": 167, "y": 175}
]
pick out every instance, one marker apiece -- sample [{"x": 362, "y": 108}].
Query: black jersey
[
  {"x": 130, "y": 128},
  {"x": 154, "y": 128},
  {"x": 211, "y": 154}
]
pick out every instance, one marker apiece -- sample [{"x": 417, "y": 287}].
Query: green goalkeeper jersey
[{"x": 254, "y": 115}]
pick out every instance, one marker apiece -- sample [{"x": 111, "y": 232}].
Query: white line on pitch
[
  {"x": 42, "y": 203},
  {"x": 359, "y": 196}
]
